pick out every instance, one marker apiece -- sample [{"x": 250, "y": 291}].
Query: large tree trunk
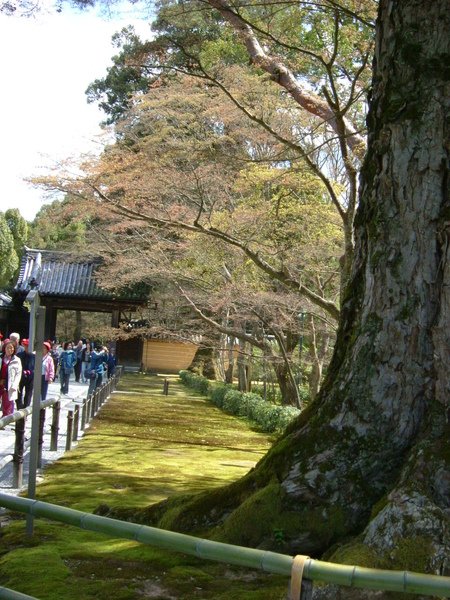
[{"x": 371, "y": 455}]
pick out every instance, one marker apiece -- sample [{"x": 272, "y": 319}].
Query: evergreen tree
[{"x": 9, "y": 260}]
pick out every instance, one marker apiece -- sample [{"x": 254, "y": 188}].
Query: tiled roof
[
  {"x": 62, "y": 274},
  {"x": 5, "y": 300}
]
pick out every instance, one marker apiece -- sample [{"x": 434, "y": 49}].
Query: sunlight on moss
[{"x": 140, "y": 449}]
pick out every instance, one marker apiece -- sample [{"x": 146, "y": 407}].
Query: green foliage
[
  {"x": 115, "y": 91},
  {"x": 232, "y": 403},
  {"x": 217, "y": 392},
  {"x": 225, "y": 50},
  {"x": 9, "y": 260},
  {"x": 59, "y": 226},
  {"x": 270, "y": 418},
  {"x": 272, "y": 392},
  {"x": 18, "y": 227},
  {"x": 196, "y": 382}
]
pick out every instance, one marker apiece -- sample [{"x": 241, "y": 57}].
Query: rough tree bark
[{"x": 368, "y": 461}]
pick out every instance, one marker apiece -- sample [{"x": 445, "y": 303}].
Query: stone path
[{"x": 77, "y": 392}]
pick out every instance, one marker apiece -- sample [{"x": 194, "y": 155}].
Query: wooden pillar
[
  {"x": 115, "y": 318},
  {"x": 50, "y": 322}
]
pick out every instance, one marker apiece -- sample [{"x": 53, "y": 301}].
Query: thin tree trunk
[
  {"x": 229, "y": 373},
  {"x": 318, "y": 349},
  {"x": 242, "y": 366}
]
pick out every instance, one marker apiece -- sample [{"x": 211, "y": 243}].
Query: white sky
[{"x": 47, "y": 62}]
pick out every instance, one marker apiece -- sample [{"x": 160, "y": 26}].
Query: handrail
[
  {"x": 8, "y": 594},
  {"x": 316, "y": 570},
  {"x": 24, "y": 412}
]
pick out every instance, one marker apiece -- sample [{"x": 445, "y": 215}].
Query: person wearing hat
[
  {"x": 10, "y": 374},
  {"x": 27, "y": 359},
  {"x": 48, "y": 369}
]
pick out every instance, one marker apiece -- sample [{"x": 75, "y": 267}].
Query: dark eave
[{"x": 63, "y": 276}]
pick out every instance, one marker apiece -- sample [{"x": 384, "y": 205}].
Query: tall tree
[
  {"x": 60, "y": 226},
  {"x": 18, "y": 227},
  {"x": 226, "y": 179},
  {"x": 317, "y": 53},
  {"x": 369, "y": 458}
]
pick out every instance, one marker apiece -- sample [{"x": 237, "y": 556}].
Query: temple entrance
[{"x": 67, "y": 285}]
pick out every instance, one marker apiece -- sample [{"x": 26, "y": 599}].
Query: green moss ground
[{"x": 141, "y": 448}]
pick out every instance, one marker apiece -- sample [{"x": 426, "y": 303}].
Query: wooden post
[
  {"x": 18, "y": 453},
  {"x": 69, "y": 430},
  {"x": 93, "y": 400},
  {"x": 76, "y": 421},
  {"x": 166, "y": 387},
  {"x": 83, "y": 414},
  {"x": 41, "y": 436},
  {"x": 88, "y": 408},
  {"x": 56, "y": 410}
]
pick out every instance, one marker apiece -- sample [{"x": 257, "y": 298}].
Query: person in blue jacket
[
  {"x": 67, "y": 361},
  {"x": 99, "y": 357},
  {"x": 111, "y": 363}
]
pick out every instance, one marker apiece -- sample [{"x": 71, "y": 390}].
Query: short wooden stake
[
  {"x": 56, "y": 411},
  {"x": 69, "y": 432},
  {"x": 18, "y": 453},
  {"x": 41, "y": 436},
  {"x": 76, "y": 421},
  {"x": 83, "y": 414}
]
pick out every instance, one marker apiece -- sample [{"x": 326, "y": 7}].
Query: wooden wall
[{"x": 161, "y": 356}]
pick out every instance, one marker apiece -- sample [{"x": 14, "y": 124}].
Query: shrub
[
  {"x": 194, "y": 381},
  {"x": 273, "y": 393},
  {"x": 217, "y": 392},
  {"x": 251, "y": 403},
  {"x": 232, "y": 402},
  {"x": 270, "y": 418}
]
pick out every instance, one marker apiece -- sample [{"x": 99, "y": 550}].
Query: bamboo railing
[{"x": 272, "y": 562}]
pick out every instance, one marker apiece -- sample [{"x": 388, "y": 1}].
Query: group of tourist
[
  {"x": 17, "y": 366},
  {"x": 87, "y": 361}
]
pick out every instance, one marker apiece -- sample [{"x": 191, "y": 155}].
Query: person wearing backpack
[{"x": 67, "y": 361}]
